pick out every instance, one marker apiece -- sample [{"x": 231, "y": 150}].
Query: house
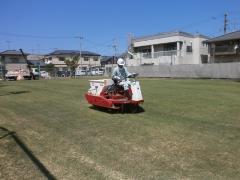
[
  {"x": 108, "y": 60},
  {"x": 168, "y": 48},
  {"x": 36, "y": 60},
  {"x": 225, "y": 48},
  {"x": 88, "y": 59},
  {"x": 13, "y": 60}
]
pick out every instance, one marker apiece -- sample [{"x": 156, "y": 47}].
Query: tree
[
  {"x": 72, "y": 64},
  {"x": 50, "y": 69}
]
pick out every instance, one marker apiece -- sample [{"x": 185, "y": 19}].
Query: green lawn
[{"x": 190, "y": 129}]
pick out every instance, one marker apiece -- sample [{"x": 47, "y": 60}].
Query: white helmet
[{"x": 120, "y": 62}]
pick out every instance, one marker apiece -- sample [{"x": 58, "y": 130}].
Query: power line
[
  {"x": 97, "y": 44},
  {"x": 35, "y": 36},
  {"x": 107, "y": 44},
  {"x": 51, "y": 37},
  {"x": 8, "y": 44},
  {"x": 200, "y": 22},
  {"x": 115, "y": 47}
]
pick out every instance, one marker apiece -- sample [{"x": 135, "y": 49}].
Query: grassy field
[{"x": 190, "y": 129}]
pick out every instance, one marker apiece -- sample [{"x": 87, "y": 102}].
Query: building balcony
[
  {"x": 156, "y": 58},
  {"x": 155, "y": 55},
  {"x": 223, "y": 50}
]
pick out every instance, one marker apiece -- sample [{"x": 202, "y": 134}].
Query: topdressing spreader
[{"x": 109, "y": 94}]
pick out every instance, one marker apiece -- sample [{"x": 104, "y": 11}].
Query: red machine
[{"x": 109, "y": 94}]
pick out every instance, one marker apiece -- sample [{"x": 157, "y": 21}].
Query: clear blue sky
[{"x": 40, "y": 26}]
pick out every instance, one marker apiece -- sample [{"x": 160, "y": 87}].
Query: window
[
  {"x": 170, "y": 47},
  {"x": 61, "y": 58},
  {"x": 204, "y": 58},
  {"x": 14, "y": 60},
  {"x": 204, "y": 44},
  {"x": 189, "y": 49},
  {"x": 86, "y": 58},
  {"x": 95, "y": 58}
]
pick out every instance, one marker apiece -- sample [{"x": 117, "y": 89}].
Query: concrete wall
[{"x": 223, "y": 70}]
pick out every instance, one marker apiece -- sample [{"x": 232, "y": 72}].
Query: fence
[
  {"x": 2, "y": 72},
  {"x": 219, "y": 70},
  {"x": 45, "y": 73},
  {"x": 48, "y": 73}
]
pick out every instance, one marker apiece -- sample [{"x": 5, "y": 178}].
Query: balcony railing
[
  {"x": 158, "y": 54},
  {"x": 165, "y": 53},
  {"x": 146, "y": 55},
  {"x": 221, "y": 50}
]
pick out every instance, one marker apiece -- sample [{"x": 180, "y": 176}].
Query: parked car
[
  {"x": 97, "y": 72},
  {"x": 63, "y": 73},
  {"x": 44, "y": 75},
  {"x": 100, "y": 72},
  {"x": 80, "y": 72}
]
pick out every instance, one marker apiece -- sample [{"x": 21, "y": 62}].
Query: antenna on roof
[{"x": 225, "y": 23}]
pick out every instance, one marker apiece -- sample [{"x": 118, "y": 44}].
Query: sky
[{"x": 42, "y": 26}]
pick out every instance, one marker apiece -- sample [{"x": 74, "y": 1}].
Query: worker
[{"x": 120, "y": 74}]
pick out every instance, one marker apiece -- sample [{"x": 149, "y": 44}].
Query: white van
[
  {"x": 97, "y": 71},
  {"x": 80, "y": 72}
]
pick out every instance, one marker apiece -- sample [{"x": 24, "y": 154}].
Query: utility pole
[
  {"x": 115, "y": 46},
  {"x": 80, "y": 51},
  {"x": 8, "y": 44},
  {"x": 130, "y": 37},
  {"x": 129, "y": 45},
  {"x": 225, "y": 23}
]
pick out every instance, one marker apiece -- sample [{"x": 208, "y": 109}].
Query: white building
[{"x": 168, "y": 48}]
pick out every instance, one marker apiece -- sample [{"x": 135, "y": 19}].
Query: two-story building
[
  {"x": 169, "y": 48},
  {"x": 225, "y": 48},
  {"x": 13, "y": 60},
  {"x": 87, "y": 60}
]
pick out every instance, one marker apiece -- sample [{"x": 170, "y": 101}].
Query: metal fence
[
  {"x": 44, "y": 73},
  {"x": 48, "y": 73},
  {"x": 2, "y": 70}
]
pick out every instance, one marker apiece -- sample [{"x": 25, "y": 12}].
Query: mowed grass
[{"x": 190, "y": 129}]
